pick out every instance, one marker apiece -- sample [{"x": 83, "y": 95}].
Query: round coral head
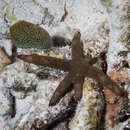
[{"x": 27, "y": 35}]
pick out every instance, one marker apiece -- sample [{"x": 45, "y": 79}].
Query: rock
[
  {"x": 118, "y": 13},
  {"x": 89, "y": 110},
  {"x": 119, "y": 23},
  {"x": 98, "y": 34}
]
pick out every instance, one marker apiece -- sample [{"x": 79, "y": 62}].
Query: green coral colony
[{"x": 27, "y": 35}]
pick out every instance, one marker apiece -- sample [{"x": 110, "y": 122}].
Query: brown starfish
[{"x": 78, "y": 67}]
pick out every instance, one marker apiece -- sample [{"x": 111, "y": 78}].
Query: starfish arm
[
  {"x": 61, "y": 90},
  {"x": 46, "y": 61},
  {"x": 78, "y": 87},
  {"x": 106, "y": 81},
  {"x": 77, "y": 47}
]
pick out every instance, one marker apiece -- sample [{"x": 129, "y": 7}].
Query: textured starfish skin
[{"x": 78, "y": 67}]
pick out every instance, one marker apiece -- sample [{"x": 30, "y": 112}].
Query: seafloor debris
[
  {"x": 125, "y": 125},
  {"x": 78, "y": 68},
  {"x": 125, "y": 35},
  {"x": 4, "y": 59},
  {"x": 17, "y": 86},
  {"x": 64, "y": 115},
  {"x": 103, "y": 62},
  {"x": 90, "y": 109},
  {"x": 59, "y": 41},
  {"x": 45, "y": 72},
  {"x": 12, "y": 105},
  {"x": 124, "y": 113},
  {"x": 65, "y": 14}
]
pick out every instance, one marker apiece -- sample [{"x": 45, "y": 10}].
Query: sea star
[{"x": 78, "y": 68}]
